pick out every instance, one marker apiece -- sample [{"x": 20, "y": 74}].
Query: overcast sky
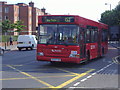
[{"x": 90, "y": 9}]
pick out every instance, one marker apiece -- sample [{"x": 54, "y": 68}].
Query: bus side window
[
  {"x": 87, "y": 36},
  {"x": 104, "y": 35},
  {"x": 94, "y": 34}
]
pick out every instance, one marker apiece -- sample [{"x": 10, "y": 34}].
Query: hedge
[{"x": 6, "y": 38}]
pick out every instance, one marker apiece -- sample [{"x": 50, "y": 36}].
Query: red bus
[{"x": 70, "y": 38}]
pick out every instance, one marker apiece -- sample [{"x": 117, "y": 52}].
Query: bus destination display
[{"x": 50, "y": 19}]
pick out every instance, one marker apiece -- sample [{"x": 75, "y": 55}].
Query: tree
[
  {"x": 111, "y": 17},
  {"x": 6, "y": 26},
  {"x": 105, "y": 17},
  {"x": 18, "y": 25},
  {"x": 117, "y": 12}
]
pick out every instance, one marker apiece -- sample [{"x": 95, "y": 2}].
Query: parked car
[
  {"x": 1, "y": 51},
  {"x": 26, "y": 41}
]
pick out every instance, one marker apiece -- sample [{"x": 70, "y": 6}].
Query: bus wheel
[
  {"x": 87, "y": 58},
  {"x": 103, "y": 52},
  {"x": 53, "y": 63}
]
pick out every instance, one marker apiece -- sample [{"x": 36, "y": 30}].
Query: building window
[
  {"x": 6, "y": 17},
  {"x": 18, "y": 18},
  {"x": 0, "y": 9},
  {"x": 30, "y": 12},
  {"x": 0, "y": 18},
  {"x": 18, "y": 11},
  {"x": 6, "y": 10},
  {"x": 30, "y": 27}
]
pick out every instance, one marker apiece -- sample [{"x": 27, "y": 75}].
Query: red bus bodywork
[{"x": 93, "y": 48}]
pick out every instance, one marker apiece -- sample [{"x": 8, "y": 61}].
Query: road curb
[
  {"x": 116, "y": 47},
  {"x": 7, "y": 49}
]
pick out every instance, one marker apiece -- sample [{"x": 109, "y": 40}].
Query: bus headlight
[
  {"x": 40, "y": 54},
  {"x": 75, "y": 55}
]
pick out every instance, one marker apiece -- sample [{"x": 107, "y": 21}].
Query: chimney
[
  {"x": 31, "y": 4},
  {"x": 3, "y": 2},
  {"x": 43, "y": 10}
]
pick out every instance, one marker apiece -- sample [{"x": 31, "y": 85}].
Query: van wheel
[
  {"x": 19, "y": 49},
  {"x": 31, "y": 48},
  {"x": 26, "y": 48}
]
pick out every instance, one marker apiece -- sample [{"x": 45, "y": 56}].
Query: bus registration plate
[{"x": 55, "y": 59}]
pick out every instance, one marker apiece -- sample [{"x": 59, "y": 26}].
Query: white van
[{"x": 26, "y": 41}]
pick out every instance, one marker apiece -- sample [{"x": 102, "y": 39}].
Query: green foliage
[
  {"x": 18, "y": 25},
  {"x": 6, "y": 25},
  {"x": 111, "y": 17}
]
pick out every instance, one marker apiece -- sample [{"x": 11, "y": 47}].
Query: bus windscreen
[{"x": 58, "y": 34}]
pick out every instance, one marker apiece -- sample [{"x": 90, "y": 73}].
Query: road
[{"x": 21, "y": 70}]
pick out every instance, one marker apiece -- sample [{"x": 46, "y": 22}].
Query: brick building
[{"x": 21, "y": 11}]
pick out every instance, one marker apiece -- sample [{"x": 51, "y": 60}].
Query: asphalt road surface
[{"x": 21, "y": 70}]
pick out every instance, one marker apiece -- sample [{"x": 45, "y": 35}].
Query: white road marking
[
  {"x": 76, "y": 84},
  {"x": 89, "y": 76}
]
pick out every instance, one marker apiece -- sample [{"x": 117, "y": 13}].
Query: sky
[{"x": 90, "y": 9}]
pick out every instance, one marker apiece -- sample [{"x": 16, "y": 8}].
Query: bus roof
[{"x": 78, "y": 20}]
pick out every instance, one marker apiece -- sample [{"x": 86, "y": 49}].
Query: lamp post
[{"x": 108, "y": 4}]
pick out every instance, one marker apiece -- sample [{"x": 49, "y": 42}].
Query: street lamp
[{"x": 108, "y": 4}]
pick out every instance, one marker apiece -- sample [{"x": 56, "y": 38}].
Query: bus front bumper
[{"x": 56, "y": 59}]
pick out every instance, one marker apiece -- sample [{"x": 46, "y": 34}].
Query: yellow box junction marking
[
  {"x": 50, "y": 86},
  {"x": 38, "y": 77},
  {"x": 32, "y": 77},
  {"x": 73, "y": 79}
]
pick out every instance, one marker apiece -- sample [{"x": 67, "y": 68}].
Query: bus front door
[{"x": 82, "y": 44}]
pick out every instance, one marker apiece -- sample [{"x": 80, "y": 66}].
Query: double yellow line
[{"x": 77, "y": 76}]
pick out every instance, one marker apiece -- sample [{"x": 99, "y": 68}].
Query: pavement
[
  {"x": 10, "y": 47},
  {"x": 115, "y": 44}
]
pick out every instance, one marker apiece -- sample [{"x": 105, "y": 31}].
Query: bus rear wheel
[
  {"x": 87, "y": 58},
  {"x": 103, "y": 53}
]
